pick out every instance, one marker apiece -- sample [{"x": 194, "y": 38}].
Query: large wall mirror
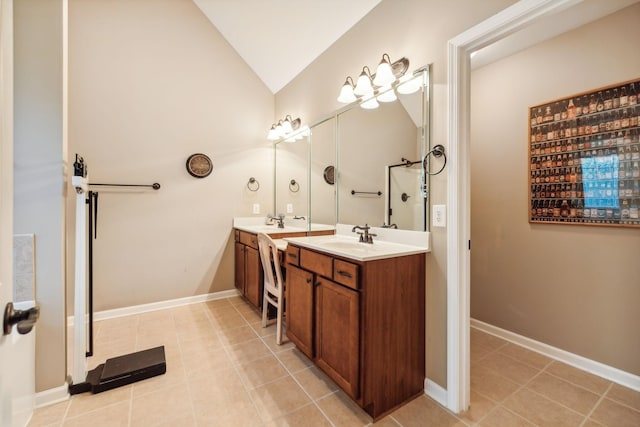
[{"x": 361, "y": 165}]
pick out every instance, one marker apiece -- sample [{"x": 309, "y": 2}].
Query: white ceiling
[{"x": 280, "y": 38}]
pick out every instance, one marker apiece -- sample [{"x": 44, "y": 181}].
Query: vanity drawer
[
  {"x": 317, "y": 263},
  {"x": 292, "y": 255},
  {"x": 345, "y": 273},
  {"x": 249, "y": 239}
]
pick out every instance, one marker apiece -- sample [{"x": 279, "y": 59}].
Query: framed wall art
[{"x": 584, "y": 157}]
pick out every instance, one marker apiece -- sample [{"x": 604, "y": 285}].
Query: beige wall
[
  {"x": 419, "y": 30},
  {"x": 572, "y": 287},
  {"x": 39, "y": 170},
  {"x": 369, "y": 141},
  {"x": 152, "y": 82}
]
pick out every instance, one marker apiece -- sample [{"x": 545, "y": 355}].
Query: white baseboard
[
  {"x": 612, "y": 374},
  {"x": 160, "y": 305},
  {"x": 435, "y": 391},
  {"x": 52, "y": 396}
]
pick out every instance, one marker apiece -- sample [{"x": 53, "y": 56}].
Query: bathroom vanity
[
  {"x": 248, "y": 268},
  {"x": 358, "y": 311}
]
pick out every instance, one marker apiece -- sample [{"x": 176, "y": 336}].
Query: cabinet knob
[{"x": 308, "y": 280}]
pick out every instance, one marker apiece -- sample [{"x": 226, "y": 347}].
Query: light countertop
[{"x": 387, "y": 244}]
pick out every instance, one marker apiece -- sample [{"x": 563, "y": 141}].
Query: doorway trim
[{"x": 459, "y": 49}]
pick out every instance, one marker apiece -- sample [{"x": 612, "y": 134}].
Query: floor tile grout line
[
  {"x": 235, "y": 368},
  {"x": 313, "y": 401},
  {"x": 540, "y": 372},
  {"x": 291, "y": 374},
  {"x": 522, "y": 362},
  {"x": 130, "y": 417},
  {"x": 602, "y": 397},
  {"x": 561, "y": 404},
  {"x": 579, "y": 385},
  {"x": 184, "y": 370},
  {"x": 66, "y": 417},
  {"x": 500, "y": 405},
  {"x": 522, "y": 387}
]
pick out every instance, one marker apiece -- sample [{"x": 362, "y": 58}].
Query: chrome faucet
[
  {"x": 365, "y": 236},
  {"x": 279, "y": 218}
]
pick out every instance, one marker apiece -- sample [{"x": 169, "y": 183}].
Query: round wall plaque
[{"x": 199, "y": 165}]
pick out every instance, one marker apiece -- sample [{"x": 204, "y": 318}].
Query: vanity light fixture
[
  {"x": 384, "y": 74},
  {"x": 346, "y": 93},
  {"x": 381, "y": 86},
  {"x": 364, "y": 85},
  {"x": 370, "y": 104},
  {"x": 386, "y": 94},
  {"x": 409, "y": 84},
  {"x": 284, "y": 128}
]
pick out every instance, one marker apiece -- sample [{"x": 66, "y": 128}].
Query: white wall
[
  {"x": 572, "y": 287},
  {"x": 152, "y": 82}
]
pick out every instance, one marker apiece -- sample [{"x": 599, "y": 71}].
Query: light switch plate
[
  {"x": 439, "y": 217},
  {"x": 289, "y": 208},
  {"x": 256, "y": 208}
]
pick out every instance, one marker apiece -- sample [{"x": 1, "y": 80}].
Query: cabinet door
[
  {"x": 338, "y": 334},
  {"x": 253, "y": 276},
  {"x": 239, "y": 267},
  {"x": 299, "y": 303}
]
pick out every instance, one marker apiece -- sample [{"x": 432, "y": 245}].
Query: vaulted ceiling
[{"x": 280, "y": 38}]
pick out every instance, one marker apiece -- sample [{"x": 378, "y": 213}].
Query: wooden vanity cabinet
[
  {"x": 248, "y": 269},
  {"x": 363, "y": 324},
  {"x": 338, "y": 334},
  {"x": 299, "y": 299}
]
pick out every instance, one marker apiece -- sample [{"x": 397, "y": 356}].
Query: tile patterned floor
[{"x": 223, "y": 369}]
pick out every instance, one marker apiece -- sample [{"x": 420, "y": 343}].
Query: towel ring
[
  {"x": 253, "y": 184},
  {"x": 437, "y": 151},
  {"x": 294, "y": 187}
]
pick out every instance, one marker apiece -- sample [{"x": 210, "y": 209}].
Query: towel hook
[
  {"x": 253, "y": 184},
  {"x": 294, "y": 187}
]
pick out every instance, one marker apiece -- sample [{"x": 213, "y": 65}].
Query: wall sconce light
[
  {"x": 364, "y": 85},
  {"x": 384, "y": 74},
  {"x": 286, "y": 128},
  {"x": 346, "y": 93},
  {"x": 381, "y": 86}
]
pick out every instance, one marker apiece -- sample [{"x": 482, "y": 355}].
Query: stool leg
[
  {"x": 265, "y": 308},
  {"x": 279, "y": 321}
]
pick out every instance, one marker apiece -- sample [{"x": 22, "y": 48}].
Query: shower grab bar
[{"x": 155, "y": 185}]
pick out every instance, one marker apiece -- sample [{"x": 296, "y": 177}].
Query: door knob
[{"x": 25, "y": 319}]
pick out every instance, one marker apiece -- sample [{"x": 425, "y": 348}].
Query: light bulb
[
  {"x": 286, "y": 126},
  {"x": 410, "y": 85},
  {"x": 384, "y": 73},
  {"x": 273, "y": 134},
  {"x": 370, "y": 104},
  {"x": 386, "y": 94},
  {"x": 346, "y": 93},
  {"x": 363, "y": 87},
  {"x": 279, "y": 129}
]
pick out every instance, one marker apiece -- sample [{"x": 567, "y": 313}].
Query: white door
[{"x": 17, "y": 364}]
